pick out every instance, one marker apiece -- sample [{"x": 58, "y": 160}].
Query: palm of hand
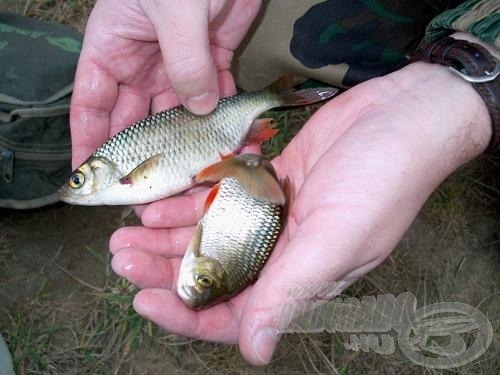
[{"x": 346, "y": 166}]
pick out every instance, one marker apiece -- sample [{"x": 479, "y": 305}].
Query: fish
[
  {"x": 243, "y": 217},
  {"x": 158, "y": 156}
]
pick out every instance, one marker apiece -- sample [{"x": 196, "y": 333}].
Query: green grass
[{"x": 288, "y": 122}]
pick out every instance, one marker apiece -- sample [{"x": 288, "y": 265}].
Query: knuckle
[{"x": 188, "y": 70}]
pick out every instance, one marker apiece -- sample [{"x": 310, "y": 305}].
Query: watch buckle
[{"x": 487, "y": 77}]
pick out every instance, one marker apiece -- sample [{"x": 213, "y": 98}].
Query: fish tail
[{"x": 288, "y": 96}]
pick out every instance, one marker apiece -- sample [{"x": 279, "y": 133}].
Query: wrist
[
  {"x": 449, "y": 115},
  {"x": 473, "y": 63}
]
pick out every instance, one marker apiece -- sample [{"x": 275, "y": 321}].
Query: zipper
[
  {"x": 34, "y": 154},
  {"x": 8, "y": 164},
  {"x": 41, "y": 156}
]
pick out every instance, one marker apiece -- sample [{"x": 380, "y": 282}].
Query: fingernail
[
  {"x": 121, "y": 264},
  {"x": 202, "y": 104},
  {"x": 264, "y": 343}
]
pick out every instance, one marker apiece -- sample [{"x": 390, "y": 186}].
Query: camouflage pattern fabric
[
  {"x": 345, "y": 42},
  {"x": 479, "y": 18}
]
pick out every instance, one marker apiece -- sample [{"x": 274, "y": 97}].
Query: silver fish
[
  {"x": 242, "y": 222},
  {"x": 158, "y": 156}
]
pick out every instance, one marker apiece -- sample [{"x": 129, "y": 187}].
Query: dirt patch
[{"x": 47, "y": 249}]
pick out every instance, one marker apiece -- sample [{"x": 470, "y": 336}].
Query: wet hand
[{"x": 361, "y": 168}]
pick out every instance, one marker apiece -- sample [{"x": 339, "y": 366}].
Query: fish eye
[
  {"x": 204, "y": 281},
  {"x": 76, "y": 180}
]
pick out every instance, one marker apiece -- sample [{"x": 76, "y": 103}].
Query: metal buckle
[{"x": 487, "y": 77}]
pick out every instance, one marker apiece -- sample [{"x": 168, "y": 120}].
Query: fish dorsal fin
[
  {"x": 255, "y": 174},
  {"x": 195, "y": 243},
  {"x": 260, "y": 130},
  {"x": 142, "y": 170},
  {"x": 211, "y": 196}
]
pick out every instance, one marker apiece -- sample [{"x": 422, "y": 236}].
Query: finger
[
  {"x": 131, "y": 105},
  {"x": 232, "y": 24},
  {"x": 164, "y": 100},
  {"x": 93, "y": 98},
  {"x": 165, "y": 242},
  {"x": 183, "y": 36},
  {"x": 168, "y": 98},
  {"x": 179, "y": 211},
  {"x": 227, "y": 86},
  {"x": 146, "y": 270},
  {"x": 164, "y": 307},
  {"x": 138, "y": 209},
  {"x": 218, "y": 323}
]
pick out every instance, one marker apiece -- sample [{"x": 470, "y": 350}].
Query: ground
[{"x": 63, "y": 311}]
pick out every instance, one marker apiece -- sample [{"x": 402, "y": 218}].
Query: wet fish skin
[
  {"x": 231, "y": 244},
  {"x": 158, "y": 156}
]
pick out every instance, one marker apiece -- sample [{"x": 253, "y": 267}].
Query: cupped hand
[
  {"x": 141, "y": 56},
  {"x": 361, "y": 169}
]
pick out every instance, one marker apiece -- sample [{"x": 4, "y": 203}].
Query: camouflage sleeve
[
  {"x": 345, "y": 42},
  {"x": 480, "y": 18}
]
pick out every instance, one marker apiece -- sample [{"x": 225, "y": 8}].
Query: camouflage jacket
[{"x": 345, "y": 42}]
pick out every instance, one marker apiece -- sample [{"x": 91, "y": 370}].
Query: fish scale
[
  {"x": 188, "y": 139},
  {"x": 240, "y": 232}
]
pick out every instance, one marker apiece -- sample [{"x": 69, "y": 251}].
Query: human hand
[
  {"x": 140, "y": 56},
  {"x": 361, "y": 168}
]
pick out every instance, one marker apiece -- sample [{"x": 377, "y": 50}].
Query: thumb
[
  {"x": 182, "y": 30},
  {"x": 292, "y": 278}
]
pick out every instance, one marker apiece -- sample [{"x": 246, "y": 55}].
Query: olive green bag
[{"x": 37, "y": 67}]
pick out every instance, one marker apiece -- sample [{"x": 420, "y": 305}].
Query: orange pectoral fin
[
  {"x": 211, "y": 196},
  {"x": 260, "y": 130}
]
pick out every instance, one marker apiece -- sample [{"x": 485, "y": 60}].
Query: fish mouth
[
  {"x": 189, "y": 295},
  {"x": 65, "y": 194}
]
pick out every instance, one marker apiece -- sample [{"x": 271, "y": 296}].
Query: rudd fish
[
  {"x": 234, "y": 238},
  {"x": 158, "y": 156}
]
